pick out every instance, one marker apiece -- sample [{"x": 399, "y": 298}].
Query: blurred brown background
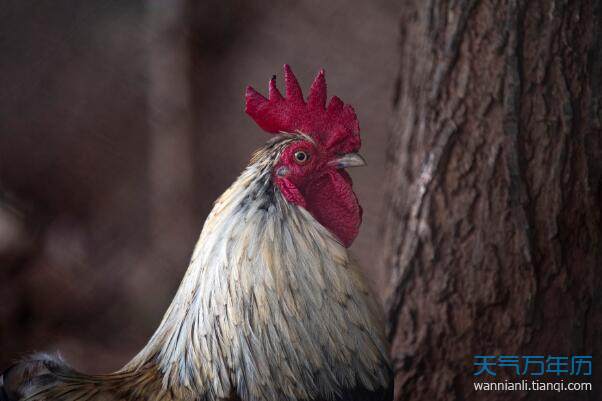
[{"x": 122, "y": 121}]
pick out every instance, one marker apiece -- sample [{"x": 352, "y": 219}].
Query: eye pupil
[{"x": 301, "y": 156}]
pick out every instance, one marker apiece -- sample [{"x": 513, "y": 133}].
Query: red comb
[{"x": 335, "y": 126}]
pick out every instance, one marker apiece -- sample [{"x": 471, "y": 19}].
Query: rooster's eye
[{"x": 301, "y": 157}]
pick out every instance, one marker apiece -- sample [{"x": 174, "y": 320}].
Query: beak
[{"x": 348, "y": 160}]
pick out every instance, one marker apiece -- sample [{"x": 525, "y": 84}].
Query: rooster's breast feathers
[{"x": 272, "y": 307}]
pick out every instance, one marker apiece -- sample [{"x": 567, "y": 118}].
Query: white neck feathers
[{"x": 271, "y": 306}]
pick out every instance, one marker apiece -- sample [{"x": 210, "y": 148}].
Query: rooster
[{"x": 272, "y": 306}]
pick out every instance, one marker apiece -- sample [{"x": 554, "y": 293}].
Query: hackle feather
[{"x": 272, "y": 307}]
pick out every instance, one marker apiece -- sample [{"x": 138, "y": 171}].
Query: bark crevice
[{"x": 491, "y": 231}]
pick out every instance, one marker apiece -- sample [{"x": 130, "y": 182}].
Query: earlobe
[{"x": 282, "y": 171}]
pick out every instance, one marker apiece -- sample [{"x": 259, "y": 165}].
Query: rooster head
[{"x": 310, "y": 172}]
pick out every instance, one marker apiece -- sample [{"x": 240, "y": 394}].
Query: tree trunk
[{"x": 493, "y": 227}]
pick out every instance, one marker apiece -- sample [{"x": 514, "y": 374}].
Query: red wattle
[{"x": 330, "y": 199}]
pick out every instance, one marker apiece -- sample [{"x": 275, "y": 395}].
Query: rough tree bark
[{"x": 493, "y": 226}]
